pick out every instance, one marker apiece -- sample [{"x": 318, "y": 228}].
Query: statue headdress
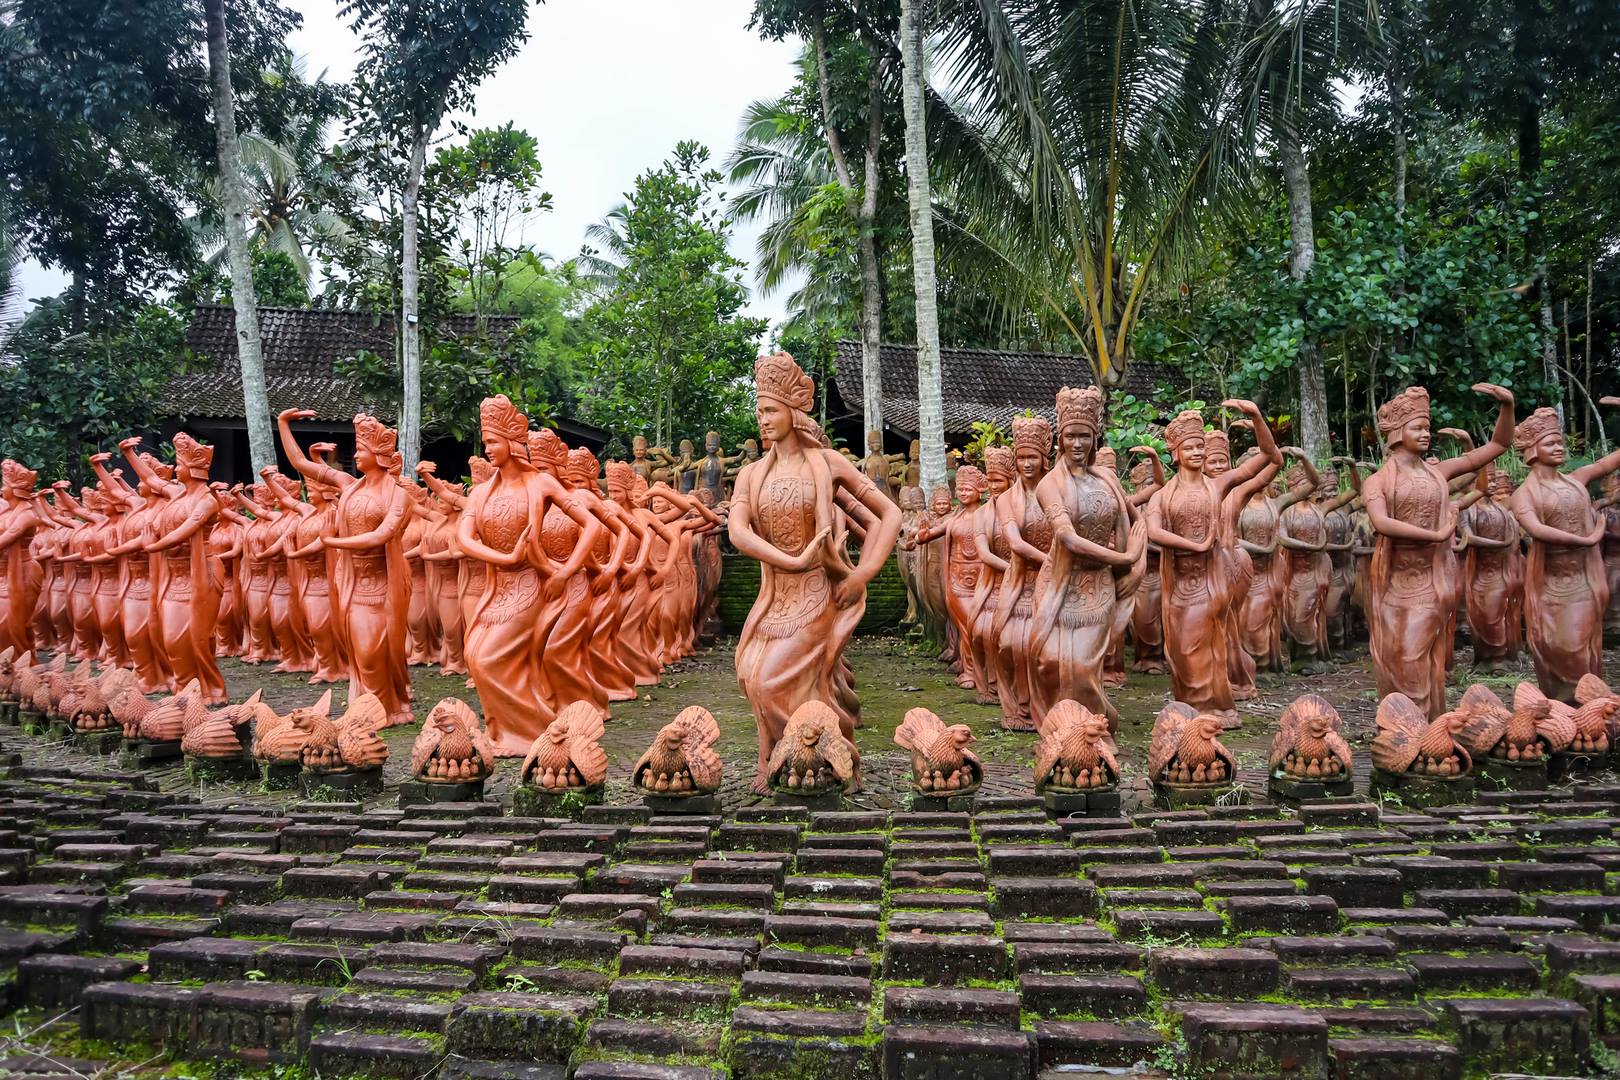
[
  {"x": 1083, "y": 406},
  {"x": 479, "y": 468},
  {"x": 547, "y": 449},
  {"x": 1032, "y": 433},
  {"x": 779, "y": 376},
  {"x": 1189, "y": 423},
  {"x": 1401, "y": 410},
  {"x": 998, "y": 461},
  {"x": 164, "y": 470},
  {"x": 969, "y": 478},
  {"x": 583, "y": 466},
  {"x": 18, "y": 476},
  {"x": 377, "y": 437},
  {"x": 1535, "y": 427},
  {"x": 1217, "y": 440},
  {"x": 620, "y": 481},
  {"x": 191, "y": 455},
  {"x": 502, "y": 419}
]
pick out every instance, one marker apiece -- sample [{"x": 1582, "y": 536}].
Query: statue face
[
  {"x": 998, "y": 483},
  {"x": 364, "y": 459},
  {"x": 1217, "y": 461},
  {"x": 1414, "y": 435},
  {"x": 775, "y": 419},
  {"x": 1029, "y": 464},
  {"x": 941, "y": 504},
  {"x": 711, "y": 443},
  {"x": 751, "y": 448},
  {"x": 1550, "y": 449},
  {"x": 1501, "y": 485},
  {"x": 915, "y": 449},
  {"x": 686, "y": 447},
  {"x": 1077, "y": 443},
  {"x": 638, "y": 446},
  {"x": 497, "y": 450},
  {"x": 874, "y": 441},
  {"x": 1190, "y": 454},
  {"x": 969, "y": 495}
]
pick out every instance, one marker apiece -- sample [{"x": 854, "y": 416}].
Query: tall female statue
[
  {"x": 58, "y": 576},
  {"x": 607, "y": 575},
  {"x": 309, "y": 563},
  {"x": 1240, "y": 666},
  {"x": 106, "y": 573},
  {"x": 83, "y": 522},
  {"x": 1565, "y": 589},
  {"x": 1308, "y": 573},
  {"x": 811, "y": 597},
  {"x": 258, "y": 537},
  {"x": 421, "y": 616},
  {"x": 1022, "y": 537},
  {"x": 1195, "y": 577},
  {"x": 1000, "y": 469},
  {"x": 1412, "y": 587},
  {"x": 1147, "y": 627},
  {"x": 187, "y": 594},
  {"x": 1098, "y": 541},
  {"x": 1493, "y": 573},
  {"x": 287, "y": 619},
  {"x": 442, "y": 560},
  {"x": 225, "y": 545},
  {"x": 1610, "y": 505},
  {"x": 569, "y": 534},
  {"x": 960, "y": 533},
  {"x": 642, "y": 576},
  {"x": 20, "y": 578},
  {"x": 134, "y": 571},
  {"x": 369, "y": 573}
]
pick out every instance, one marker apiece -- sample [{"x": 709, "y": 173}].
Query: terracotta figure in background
[
  {"x": 20, "y": 577},
  {"x": 626, "y": 492},
  {"x": 225, "y": 543},
  {"x": 1609, "y": 504},
  {"x": 42, "y": 554},
  {"x": 959, "y": 560},
  {"x": 706, "y": 553},
  {"x": 421, "y": 643},
  {"x": 607, "y": 575},
  {"x": 649, "y": 462},
  {"x": 1566, "y": 592},
  {"x": 1340, "y": 545},
  {"x": 1023, "y": 537},
  {"x": 750, "y": 454},
  {"x": 877, "y": 465},
  {"x": 309, "y": 566},
  {"x": 135, "y": 576},
  {"x": 811, "y": 597},
  {"x": 1000, "y": 468},
  {"x": 369, "y": 573},
  {"x": 443, "y": 562},
  {"x": 1240, "y": 666},
  {"x": 287, "y": 620},
  {"x": 1097, "y": 543},
  {"x": 931, "y": 578},
  {"x": 1308, "y": 572},
  {"x": 81, "y": 520},
  {"x": 257, "y": 539},
  {"x": 1493, "y": 573},
  {"x": 569, "y": 534},
  {"x": 106, "y": 572},
  {"x": 1196, "y": 577},
  {"x": 1412, "y": 583},
  {"x": 187, "y": 593},
  {"x": 58, "y": 579},
  {"x": 1147, "y": 628},
  {"x": 712, "y": 470}
]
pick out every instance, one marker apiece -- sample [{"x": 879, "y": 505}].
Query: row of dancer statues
[
  {"x": 532, "y": 581},
  {"x": 1039, "y": 574}
]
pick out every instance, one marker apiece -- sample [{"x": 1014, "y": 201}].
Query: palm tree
[
  {"x": 930, "y": 406},
  {"x": 1089, "y": 142}
]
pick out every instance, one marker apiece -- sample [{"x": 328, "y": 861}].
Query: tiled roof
[
  {"x": 301, "y": 347},
  {"x": 978, "y": 384}
]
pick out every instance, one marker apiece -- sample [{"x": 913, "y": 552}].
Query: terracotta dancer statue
[
  {"x": 1308, "y": 571},
  {"x": 649, "y": 461},
  {"x": 59, "y": 580},
  {"x": 133, "y": 569},
  {"x": 711, "y": 471},
  {"x": 423, "y": 637},
  {"x": 1114, "y": 675},
  {"x": 678, "y": 596},
  {"x": 877, "y": 465},
  {"x": 1610, "y": 505},
  {"x": 42, "y": 554},
  {"x": 569, "y": 536},
  {"x": 1000, "y": 469},
  {"x": 442, "y": 559},
  {"x": 1098, "y": 543},
  {"x": 1240, "y": 666},
  {"x": 709, "y": 565},
  {"x": 1412, "y": 586},
  {"x": 750, "y": 454},
  {"x": 501, "y": 526},
  {"x": 372, "y": 583},
  {"x": 258, "y": 537},
  {"x": 1259, "y": 612},
  {"x": 608, "y": 575},
  {"x": 1340, "y": 550},
  {"x": 1022, "y": 537},
  {"x": 811, "y": 597},
  {"x": 1147, "y": 629},
  {"x": 1493, "y": 573},
  {"x": 187, "y": 594},
  {"x": 83, "y": 520},
  {"x": 309, "y": 565},
  {"x": 931, "y": 578},
  {"x": 224, "y": 554},
  {"x": 1196, "y": 576},
  {"x": 961, "y": 533},
  {"x": 22, "y": 577},
  {"x": 106, "y": 574},
  {"x": 1565, "y": 589},
  {"x": 642, "y": 576},
  {"x": 287, "y": 619}
]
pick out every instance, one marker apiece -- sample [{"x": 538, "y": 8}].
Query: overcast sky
[{"x": 608, "y": 87}]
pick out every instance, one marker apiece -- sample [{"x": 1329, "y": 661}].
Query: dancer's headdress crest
[
  {"x": 1535, "y": 427},
  {"x": 1032, "y": 433},
  {"x": 502, "y": 419},
  {"x": 1080, "y": 405},
  {"x": 779, "y": 376},
  {"x": 192, "y": 455},
  {"x": 379, "y": 438},
  {"x": 1402, "y": 409},
  {"x": 1189, "y": 423},
  {"x": 999, "y": 461}
]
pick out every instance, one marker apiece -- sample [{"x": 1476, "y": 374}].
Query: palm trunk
[
  {"x": 1314, "y": 436},
  {"x": 930, "y": 407},
  {"x": 255, "y": 400},
  {"x": 410, "y": 417},
  {"x": 864, "y": 210}
]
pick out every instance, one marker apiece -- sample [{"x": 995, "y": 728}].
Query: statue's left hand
[{"x": 1500, "y": 393}]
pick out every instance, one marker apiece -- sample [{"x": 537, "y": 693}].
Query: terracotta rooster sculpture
[
  {"x": 1408, "y": 742},
  {"x": 167, "y": 720},
  {"x": 93, "y": 709},
  {"x": 682, "y": 759},
  {"x": 1186, "y": 748},
  {"x": 1596, "y": 711},
  {"x": 279, "y": 740},
  {"x": 1308, "y": 744},
  {"x": 940, "y": 758},
  {"x": 568, "y": 755},
  {"x": 813, "y": 756},
  {"x": 1533, "y": 728},
  {"x": 452, "y": 747},
  {"x": 351, "y": 743},
  {"x": 1074, "y": 750},
  {"x": 10, "y": 662},
  {"x": 223, "y": 733}
]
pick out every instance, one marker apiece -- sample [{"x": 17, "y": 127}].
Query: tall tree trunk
[
  {"x": 410, "y": 415},
  {"x": 1526, "y": 55},
  {"x": 863, "y": 209},
  {"x": 255, "y": 401},
  {"x": 930, "y": 407},
  {"x": 1312, "y": 381}
]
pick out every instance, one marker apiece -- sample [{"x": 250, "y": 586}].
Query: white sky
[{"x": 608, "y": 87}]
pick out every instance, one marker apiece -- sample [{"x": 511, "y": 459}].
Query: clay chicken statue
[
  {"x": 941, "y": 762},
  {"x": 25, "y": 684},
  {"x": 682, "y": 759},
  {"x": 128, "y": 709},
  {"x": 280, "y": 740},
  {"x": 167, "y": 720},
  {"x": 568, "y": 755},
  {"x": 812, "y": 757},
  {"x": 92, "y": 711},
  {"x": 10, "y": 662},
  {"x": 224, "y": 733},
  {"x": 1308, "y": 744},
  {"x": 1409, "y": 743},
  {"x": 1597, "y": 712},
  {"x": 452, "y": 747},
  {"x": 1533, "y": 728},
  {"x": 351, "y": 743},
  {"x": 1186, "y": 749},
  {"x": 1074, "y": 750}
]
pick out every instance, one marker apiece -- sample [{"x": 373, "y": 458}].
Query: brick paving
[{"x": 146, "y": 933}]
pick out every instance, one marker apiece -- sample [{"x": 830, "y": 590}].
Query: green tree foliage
[{"x": 670, "y": 352}]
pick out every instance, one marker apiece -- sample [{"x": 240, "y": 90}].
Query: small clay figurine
[
  {"x": 280, "y": 740},
  {"x": 682, "y": 760},
  {"x": 941, "y": 762},
  {"x": 1074, "y": 751},
  {"x": 568, "y": 755},
  {"x": 1534, "y": 727},
  {"x": 168, "y": 719},
  {"x": 813, "y": 756},
  {"x": 1186, "y": 748},
  {"x": 1408, "y": 742},
  {"x": 1309, "y": 744},
  {"x": 351, "y": 743},
  {"x": 452, "y": 747},
  {"x": 1595, "y": 711},
  {"x": 223, "y": 733}
]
